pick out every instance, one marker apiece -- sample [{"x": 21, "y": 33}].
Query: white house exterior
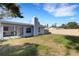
[{"x": 16, "y": 30}]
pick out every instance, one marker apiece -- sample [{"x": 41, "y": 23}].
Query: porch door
[{"x": 21, "y": 31}]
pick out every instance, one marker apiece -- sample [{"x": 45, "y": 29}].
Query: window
[
  {"x": 28, "y": 30},
  {"x": 5, "y": 28},
  {"x": 39, "y": 29}
]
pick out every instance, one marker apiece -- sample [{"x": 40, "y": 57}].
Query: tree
[
  {"x": 72, "y": 25},
  {"x": 54, "y": 25},
  {"x": 47, "y": 25},
  {"x": 10, "y": 10},
  {"x": 63, "y": 26}
]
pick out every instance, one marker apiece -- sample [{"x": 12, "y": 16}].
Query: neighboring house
[{"x": 16, "y": 30}]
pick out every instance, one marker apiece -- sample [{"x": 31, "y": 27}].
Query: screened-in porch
[
  {"x": 9, "y": 31},
  {"x": 17, "y": 30}
]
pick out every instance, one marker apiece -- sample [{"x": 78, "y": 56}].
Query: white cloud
[
  {"x": 73, "y": 18},
  {"x": 50, "y": 7},
  {"x": 59, "y": 10}
]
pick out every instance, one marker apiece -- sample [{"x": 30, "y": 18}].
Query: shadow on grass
[
  {"x": 74, "y": 42},
  {"x": 28, "y": 49},
  {"x": 1, "y": 41}
]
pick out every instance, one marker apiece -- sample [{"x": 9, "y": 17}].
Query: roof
[
  {"x": 14, "y": 23},
  {"x": 42, "y": 26}
]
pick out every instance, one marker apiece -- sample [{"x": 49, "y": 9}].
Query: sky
[{"x": 49, "y": 13}]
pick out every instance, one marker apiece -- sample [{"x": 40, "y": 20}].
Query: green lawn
[{"x": 40, "y": 45}]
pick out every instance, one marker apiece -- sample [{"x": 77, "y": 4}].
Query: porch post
[
  {"x": 14, "y": 29},
  {"x": 24, "y": 31},
  {"x": 1, "y": 32}
]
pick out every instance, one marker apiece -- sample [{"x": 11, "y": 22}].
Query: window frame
[
  {"x": 28, "y": 30},
  {"x": 6, "y": 28}
]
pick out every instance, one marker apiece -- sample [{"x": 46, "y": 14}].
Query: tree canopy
[
  {"x": 10, "y": 9},
  {"x": 70, "y": 25}
]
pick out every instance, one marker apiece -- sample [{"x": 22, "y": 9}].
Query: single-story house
[{"x": 16, "y": 30}]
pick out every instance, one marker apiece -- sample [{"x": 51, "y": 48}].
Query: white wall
[{"x": 41, "y": 30}]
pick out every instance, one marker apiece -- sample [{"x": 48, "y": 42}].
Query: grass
[
  {"x": 61, "y": 39},
  {"x": 40, "y": 45}
]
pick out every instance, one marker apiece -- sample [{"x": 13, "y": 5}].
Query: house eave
[{"x": 15, "y": 23}]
